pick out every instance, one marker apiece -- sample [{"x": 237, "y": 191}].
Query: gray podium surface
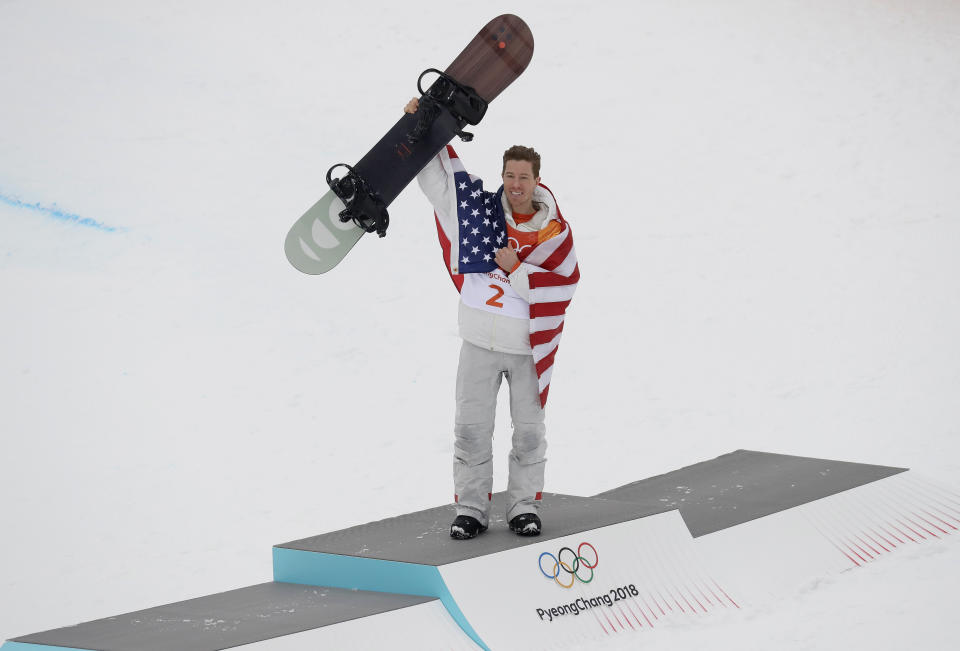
[
  {"x": 745, "y": 485},
  {"x": 225, "y": 620},
  {"x": 424, "y": 537},
  {"x": 711, "y": 496}
]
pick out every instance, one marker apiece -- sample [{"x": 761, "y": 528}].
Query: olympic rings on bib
[{"x": 569, "y": 565}]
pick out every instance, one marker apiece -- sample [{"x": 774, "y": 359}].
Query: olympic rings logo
[{"x": 572, "y": 569}]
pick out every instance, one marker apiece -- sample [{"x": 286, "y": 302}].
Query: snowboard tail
[{"x": 496, "y": 56}]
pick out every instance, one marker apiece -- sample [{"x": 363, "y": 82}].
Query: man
[{"x": 511, "y": 256}]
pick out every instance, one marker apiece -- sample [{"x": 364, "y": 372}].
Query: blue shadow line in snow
[{"x": 56, "y": 213}]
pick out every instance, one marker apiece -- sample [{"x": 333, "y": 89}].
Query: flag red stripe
[
  {"x": 545, "y": 336},
  {"x": 543, "y": 396},
  {"x": 548, "y": 309},
  {"x": 445, "y": 245},
  {"x": 560, "y": 254},
  {"x": 540, "y": 279},
  {"x": 546, "y": 362}
]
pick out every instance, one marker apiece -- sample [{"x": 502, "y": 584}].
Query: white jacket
[{"x": 506, "y": 330}]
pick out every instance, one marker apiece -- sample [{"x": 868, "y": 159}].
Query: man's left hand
[{"x": 507, "y": 258}]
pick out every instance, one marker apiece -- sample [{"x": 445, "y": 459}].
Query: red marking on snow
[
  {"x": 851, "y": 557},
  {"x": 920, "y": 526},
  {"x": 936, "y": 494},
  {"x": 875, "y": 552},
  {"x": 697, "y": 600},
  {"x": 538, "y": 496},
  {"x": 934, "y": 501},
  {"x": 642, "y": 612},
  {"x": 945, "y": 515},
  {"x": 669, "y": 607},
  {"x": 847, "y": 545},
  {"x": 904, "y": 534},
  {"x": 697, "y": 590},
  {"x": 699, "y": 585},
  {"x": 652, "y": 611},
  {"x": 634, "y": 613},
  {"x": 897, "y": 516},
  {"x": 629, "y": 623},
  {"x": 725, "y": 593},
  {"x": 489, "y": 496},
  {"x": 647, "y": 619},
  {"x": 609, "y": 622},
  {"x": 675, "y": 600},
  {"x": 719, "y": 600},
  {"x": 871, "y": 542},
  {"x": 904, "y": 514},
  {"x": 682, "y": 610},
  {"x": 874, "y": 532},
  {"x": 456, "y": 498},
  {"x": 854, "y": 544},
  {"x": 941, "y": 519},
  {"x": 884, "y": 530},
  {"x": 616, "y": 617},
  {"x": 599, "y": 622},
  {"x": 831, "y": 540},
  {"x": 851, "y": 547},
  {"x": 673, "y": 589},
  {"x": 594, "y": 613},
  {"x": 690, "y": 593},
  {"x": 839, "y": 549},
  {"x": 943, "y": 531},
  {"x": 867, "y": 532}
]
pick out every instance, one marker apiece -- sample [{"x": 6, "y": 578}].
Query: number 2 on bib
[{"x": 493, "y": 299}]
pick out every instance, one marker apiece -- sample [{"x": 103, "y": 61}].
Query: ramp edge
[{"x": 355, "y": 573}]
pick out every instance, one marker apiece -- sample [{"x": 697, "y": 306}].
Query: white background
[{"x": 765, "y": 202}]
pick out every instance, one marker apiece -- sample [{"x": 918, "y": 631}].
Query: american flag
[
  {"x": 482, "y": 228},
  {"x": 553, "y": 280},
  {"x": 552, "y": 285}
]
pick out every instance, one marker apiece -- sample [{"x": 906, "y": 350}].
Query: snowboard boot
[
  {"x": 526, "y": 524},
  {"x": 465, "y": 527}
]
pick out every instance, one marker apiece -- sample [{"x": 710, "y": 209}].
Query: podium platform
[
  {"x": 682, "y": 544},
  {"x": 745, "y": 485},
  {"x": 405, "y": 554},
  {"x": 226, "y": 620}
]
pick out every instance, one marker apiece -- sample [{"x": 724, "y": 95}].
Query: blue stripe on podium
[{"x": 355, "y": 573}]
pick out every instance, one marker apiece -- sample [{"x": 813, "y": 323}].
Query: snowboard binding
[
  {"x": 363, "y": 205},
  {"x": 462, "y": 102}
]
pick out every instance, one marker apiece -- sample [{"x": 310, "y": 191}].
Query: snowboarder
[{"x": 511, "y": 256}]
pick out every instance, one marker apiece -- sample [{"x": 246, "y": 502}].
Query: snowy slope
[{"x": 767, "y": 217}]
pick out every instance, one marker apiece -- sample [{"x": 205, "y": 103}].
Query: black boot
[
  {"x": 526, "y": 524},
  {"x": 465, "y": 527}
]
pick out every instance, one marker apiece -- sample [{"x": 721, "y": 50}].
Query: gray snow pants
[{"x": 478, "y": 381}]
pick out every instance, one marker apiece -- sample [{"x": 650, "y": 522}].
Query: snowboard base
[{"x": 318, "y": 240}]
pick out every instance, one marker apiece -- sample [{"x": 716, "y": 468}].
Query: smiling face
[{"x": 518, "y": 185}]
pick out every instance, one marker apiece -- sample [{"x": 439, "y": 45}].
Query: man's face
[{"x": 518, "y": 185}]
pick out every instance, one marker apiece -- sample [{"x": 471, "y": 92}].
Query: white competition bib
[{"x": 492, "y": 292}]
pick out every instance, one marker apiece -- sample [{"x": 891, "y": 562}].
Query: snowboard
[{"x": 357, "y": 201}]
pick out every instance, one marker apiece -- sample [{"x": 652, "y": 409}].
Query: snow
[{"x": 767, "y": 217}]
